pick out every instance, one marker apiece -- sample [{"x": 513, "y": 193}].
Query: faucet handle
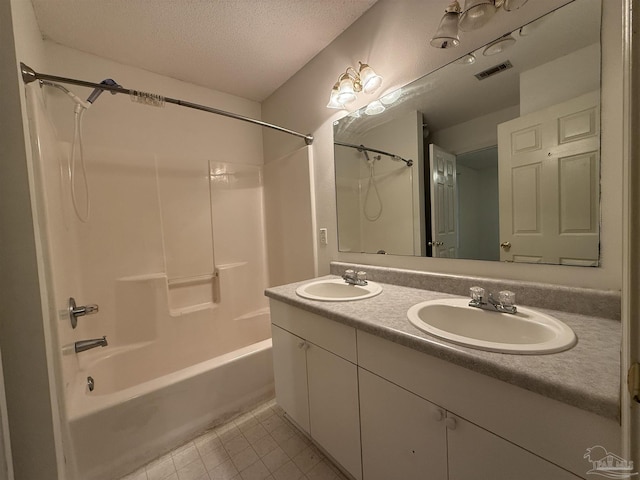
[
  {"x": 349, "y": 273},
  {"x": 79, "y": 311},
  {"x": 361, "y": 275},
  {"x": 476, "y": 293},
  {"x": 507, "y": 298}
]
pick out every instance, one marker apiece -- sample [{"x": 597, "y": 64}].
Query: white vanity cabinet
[
  {"x": 385, "y": 411},
  {"x": 316, "y": 380},
  {"x": 474, "y": 452},
  {"x": 403, "y": 435},
  {"x": 290, "y": 363},
  {"x": 493, "y": 429}
]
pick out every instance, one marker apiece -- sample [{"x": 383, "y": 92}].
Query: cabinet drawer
[{"x": 330, "y": 335}]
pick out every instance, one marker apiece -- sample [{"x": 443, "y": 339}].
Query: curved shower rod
[
  {"x": 29, "y": 75},
  {"x": 362, "y": 148}
]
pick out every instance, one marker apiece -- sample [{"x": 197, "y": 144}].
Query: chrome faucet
[
  {"x": 504, "y": 304},
  {"x": 82, "y": 345},
  {"x": 353, "y": 278}
]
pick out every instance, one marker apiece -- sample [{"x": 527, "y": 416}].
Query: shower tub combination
[
  {"x": 184, "y": 354},
  {"x": 149, "y": 397}
]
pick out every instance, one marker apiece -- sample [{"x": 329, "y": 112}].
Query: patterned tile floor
[{"x": 259, "y": 445}]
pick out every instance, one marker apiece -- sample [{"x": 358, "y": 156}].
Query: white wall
[
  {"x": 391, "y": 37},
  {"x": 290, "y": 218},
  {"x": 474, "y": 134},
  {"x": 559, "y": 80}
]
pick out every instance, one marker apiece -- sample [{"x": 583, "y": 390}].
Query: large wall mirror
[{"x": 495, "y": 156}]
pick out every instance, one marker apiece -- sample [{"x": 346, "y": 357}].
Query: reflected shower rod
[
  {"x": 362, "y": 148},
  {"x": 30, "y": 75}
]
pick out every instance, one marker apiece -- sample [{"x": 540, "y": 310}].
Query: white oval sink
[
  {"x": 526, "y": 332},
  {"x": 337, "y": 290}
]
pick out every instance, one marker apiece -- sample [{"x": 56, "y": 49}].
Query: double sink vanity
[{"x": 397, "y": 382}]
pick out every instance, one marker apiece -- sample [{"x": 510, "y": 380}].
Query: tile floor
[{"x": 259, "y": 445}]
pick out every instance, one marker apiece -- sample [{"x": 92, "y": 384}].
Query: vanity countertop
[{"x": 586, "y": 376}]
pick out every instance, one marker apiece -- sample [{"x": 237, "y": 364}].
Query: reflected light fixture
[
  {"x": 499, "y": 45},
  {"x": 350, "y": 83},
  {"x": 474, "y": 15},
  {"x": 447, "y": 34},
  {"x": 391, "y": 97},
  {"x": 375, "y": 108}
]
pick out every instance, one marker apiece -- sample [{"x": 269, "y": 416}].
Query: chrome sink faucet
[
  {"x": 504, "y": 304},
  {"x": 353, "y": 278},
  {"x": 83, "y": 345}
]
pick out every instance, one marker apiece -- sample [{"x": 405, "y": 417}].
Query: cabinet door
[
  {"x": 290, "y": 372},
  {"x": 333, "y": 407},
  {"x": 476, "y": 453},
  {"x": 403, "y": 435}
]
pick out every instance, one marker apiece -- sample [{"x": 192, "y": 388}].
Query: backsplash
[{"x": 584, "y": 301}]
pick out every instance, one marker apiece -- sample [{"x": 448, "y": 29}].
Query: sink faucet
[
  {"x": 82, "y": 345},
  {"x": 504, "y": 304},
  {"x": 353, "y": 278}
]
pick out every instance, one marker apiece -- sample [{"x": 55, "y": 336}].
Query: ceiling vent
[{"x": 489, "y": 72}]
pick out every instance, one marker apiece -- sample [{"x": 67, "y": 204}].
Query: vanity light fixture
[
  {"x": 447, "y": 34},
  {"x": 474, "y": 15},
  {"x": 350, "y": 83}
]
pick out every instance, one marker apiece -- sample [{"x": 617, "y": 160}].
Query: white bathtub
[{"x": 146, "y": 401}]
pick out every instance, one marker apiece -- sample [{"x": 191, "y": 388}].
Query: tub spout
[{"x": 83, "y": 345}]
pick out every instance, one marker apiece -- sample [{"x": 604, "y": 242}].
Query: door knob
[
  {"x": 451, "y": 423},
  {"x": 435, "y": 244},
  {"x": 439, "y": 415},
  {"x": 505, "y": 245}
]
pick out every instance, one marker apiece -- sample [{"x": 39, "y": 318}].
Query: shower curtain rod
[
  {"x": 29, "y": 75},
  {"x": 362, "y": 148}
]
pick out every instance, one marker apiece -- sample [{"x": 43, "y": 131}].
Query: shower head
[{"x": 97, "y": 91}]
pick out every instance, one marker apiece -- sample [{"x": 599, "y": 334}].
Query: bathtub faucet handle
[{"x": 75, "y": 311}]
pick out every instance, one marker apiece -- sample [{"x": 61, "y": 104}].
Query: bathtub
[{"x": 147, "y": 401}]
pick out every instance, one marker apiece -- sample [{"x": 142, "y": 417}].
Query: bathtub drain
[{"x": 90, "y": 383}]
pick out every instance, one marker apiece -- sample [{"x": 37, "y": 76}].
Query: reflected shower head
[{"x": 97, "y": 91}]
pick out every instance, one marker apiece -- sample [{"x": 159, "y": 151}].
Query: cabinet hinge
[{"x": 633, "y": 381}]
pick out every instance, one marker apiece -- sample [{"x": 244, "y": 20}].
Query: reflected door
[
  {"x": 549, "y": 184},
  {"x": 444, "y": 208}
]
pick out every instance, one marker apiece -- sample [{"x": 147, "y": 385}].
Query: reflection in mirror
[{"x": 505, "y": 153}]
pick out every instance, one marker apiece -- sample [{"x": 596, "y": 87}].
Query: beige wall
[
  {"x": 393, "y": 38},
  {"x": 25, "y": 339}
]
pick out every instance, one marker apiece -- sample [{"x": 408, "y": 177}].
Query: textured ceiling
[{"x": 243, "y": 47}]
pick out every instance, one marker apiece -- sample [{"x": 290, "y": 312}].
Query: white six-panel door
[
  {"x": 444, "y": 203},
  {"x": 549, "y": 184}
]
